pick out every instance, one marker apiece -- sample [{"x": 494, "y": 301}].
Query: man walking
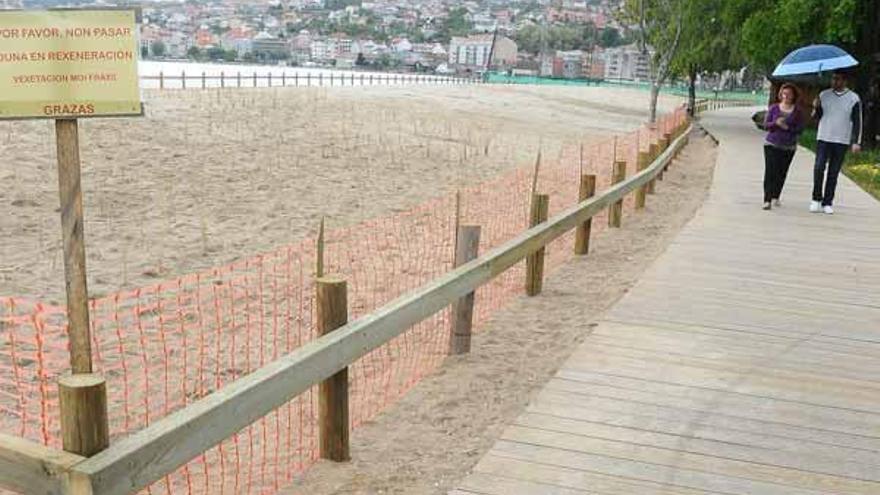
[{"x": 839, "y": 112}]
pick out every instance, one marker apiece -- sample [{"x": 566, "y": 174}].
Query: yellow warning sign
[{"x": 68, "y": 64}]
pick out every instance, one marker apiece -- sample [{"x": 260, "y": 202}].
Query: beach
[{"x": 209, "y": 177}]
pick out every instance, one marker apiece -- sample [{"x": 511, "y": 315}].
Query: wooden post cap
[{"x": 84, "y": 422}]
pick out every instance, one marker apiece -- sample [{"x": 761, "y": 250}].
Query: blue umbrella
[{"x": 814, "y": 60}]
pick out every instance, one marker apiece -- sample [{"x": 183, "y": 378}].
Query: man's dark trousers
[{"x": 830, "y": 155}]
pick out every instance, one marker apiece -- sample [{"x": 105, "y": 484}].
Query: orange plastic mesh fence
[{"x": 164, "y": 346}]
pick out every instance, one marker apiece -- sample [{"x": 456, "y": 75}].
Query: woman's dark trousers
[{"x": 776, "y": 164}]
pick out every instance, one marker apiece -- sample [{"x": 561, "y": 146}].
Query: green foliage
[
  {"x": 772, "y": 29},
  {"x": 217, "y": 53},
  {"x": 610, "y": 38},
  {"x": 158, "y": 49},
  {"x": 706, "y": 46},
  {"x": 340, "y": 4},
  {"x": 535, "y": 39},
  {"x": 863, "y": 168},
  {"x": 866, "y": 175},
  {"x": 661, "y": 25},
  {"x": 194, "y": 53},
  {"x": 456, "y": 24}
]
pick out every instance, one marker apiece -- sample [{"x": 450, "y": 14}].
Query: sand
[
  {"x": 209, "y": 177},
  {"x": 427, "y": 442}
]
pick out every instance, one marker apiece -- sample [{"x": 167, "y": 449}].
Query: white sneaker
[
  {"x": 815, "y": 207},
  {"x": 828, "y": 210}
]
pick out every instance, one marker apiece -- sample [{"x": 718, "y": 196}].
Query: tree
[
  {"x": 610, "y": 38},
  {"x": 708, "y": 47},
  {"x": 215, "y": 53},
  {"x": 456, "y": 24},
  {"x": 194, "y": 53},
  {"x": 536, "y": 39},
  {"x": 770, "y": 30},
  {"x": 660, "y": 26},
  {"x": 158, "y": 49}
]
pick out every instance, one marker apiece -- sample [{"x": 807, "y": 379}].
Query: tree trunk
[
  {"x": 867, "y": 51},
  {"x": 692, "y": 91},
  {"x": 655, "y": 93}
]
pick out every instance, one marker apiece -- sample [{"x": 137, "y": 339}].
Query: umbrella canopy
[{"x": 813, "y": 60}]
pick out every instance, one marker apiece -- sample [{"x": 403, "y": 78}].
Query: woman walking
[{"x": 784, "y": 123}]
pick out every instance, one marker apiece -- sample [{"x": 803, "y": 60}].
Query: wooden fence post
[
  {"x": 615, "y": 212},
  {"x": 653, "y": 153},
  {"x": 84, "y": 425},
  {"x": 255, "y": 79},
  {"x": 535, "y": 262},
  {"x": 667, "y": 140},
  {"x": 332, "y": 313},
  {"x": 269, "y": 79},
  {"x": 222, "y": 80},
  {"x": 284, "y": 79},
  {"x": 238, "y": 77},
  {"x": 641, "y": 193},
  {"x": 204, "y": 80},
  {"x": 467, "y": 248},
  {"x": 662, "y": 144},
  {"x": 83, "y": 395},
  {"x": 582, "y": 233},
  {"x": 161, "y": 80},
  {"x": 183, "y": 79}
]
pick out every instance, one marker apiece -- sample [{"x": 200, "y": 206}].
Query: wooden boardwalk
[{"x": 746, "y": 361}]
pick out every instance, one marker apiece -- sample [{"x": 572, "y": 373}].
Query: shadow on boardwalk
[{"x": 745, "y": 361}]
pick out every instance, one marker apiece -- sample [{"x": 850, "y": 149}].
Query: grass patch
[{"x": 862, "y": 168}]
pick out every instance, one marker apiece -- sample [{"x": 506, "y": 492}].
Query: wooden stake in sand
[
  {"x": 319, "y": 255},
  {"x": 466, "y": 249},
  {"x": 581, "y": 162},
  {"x": 535, "y": 175},
  {"x": 535, "y": 262},
  {"x": 332, "y": 312},
  {"x": 586, "y": 190}
]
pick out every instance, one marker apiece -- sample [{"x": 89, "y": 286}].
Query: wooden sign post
[
  {"x": 82, "y": 64},
  {"x": 70, "y": 189}
]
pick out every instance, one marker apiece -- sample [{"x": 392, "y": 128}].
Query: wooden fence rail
[
  {"x": 135, "y": 462},
  {"x": 29, "y": 467},
  {"x": 182, "y": 80}
]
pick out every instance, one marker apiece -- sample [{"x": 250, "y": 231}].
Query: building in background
[
  {"x": 239, "y": 39},
  {"x": 473, "y": 52},
  {"x": 628, "y": 63},
  {"x": 594, "y": 64},
  {"x": 572, "y": 64},
  {"x": 267, "y": 47}
]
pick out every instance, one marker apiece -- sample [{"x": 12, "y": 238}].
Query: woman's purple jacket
[{"x": 777, "y": 136}]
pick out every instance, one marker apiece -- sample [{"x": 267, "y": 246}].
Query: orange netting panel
[{"x": 165, "y": 346}]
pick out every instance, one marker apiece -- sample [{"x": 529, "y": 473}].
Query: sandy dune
[{"x": 208, "y": 177}]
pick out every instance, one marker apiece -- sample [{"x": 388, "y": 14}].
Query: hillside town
[{"x": 573, "y": 39}]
